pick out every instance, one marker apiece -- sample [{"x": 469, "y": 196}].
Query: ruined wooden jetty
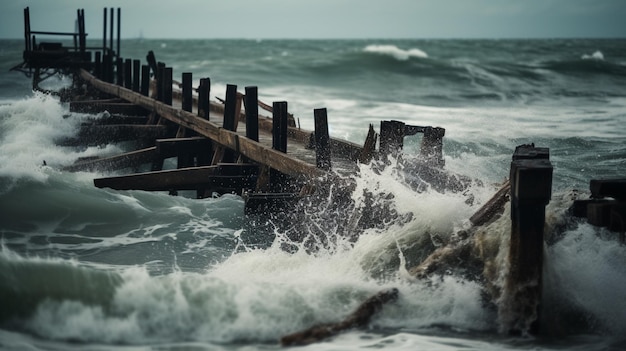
[
  {"x": 227, "y": 146},
  {"x": 221, "y": 146}
]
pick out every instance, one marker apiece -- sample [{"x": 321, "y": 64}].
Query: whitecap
[
  {"x": 597, "y": 55},
  {"x": 395, "y": 52}
]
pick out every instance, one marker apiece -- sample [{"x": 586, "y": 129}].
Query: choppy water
[{"x": 87, "y": 268}]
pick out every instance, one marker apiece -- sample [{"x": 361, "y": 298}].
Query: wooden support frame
[{"x": 249, "y": 148}]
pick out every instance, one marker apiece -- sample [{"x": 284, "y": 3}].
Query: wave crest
[{"x": 395, "y": 52}]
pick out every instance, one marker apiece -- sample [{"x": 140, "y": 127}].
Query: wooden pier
[{"x": 227, "y": 146}]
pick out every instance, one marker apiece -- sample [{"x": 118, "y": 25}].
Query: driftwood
[
  {"x": 357, "y": 319},
  {"x": 461, "y": 248}
]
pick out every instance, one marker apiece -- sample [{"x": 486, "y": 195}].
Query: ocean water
[{"x": 83, "y": 268}]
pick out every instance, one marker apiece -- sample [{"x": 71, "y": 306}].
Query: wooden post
[
  {"x": 251, "y": 103},
  {"x": 120, "y": 71},
  {"x": 136, "y": 75},
  {"x": 187, "y": 102},
  {"x": 369, "y": 147},
  {"x": 322, "y": 145},
  {"x": 391, "y": 138},
  {"x": 231, "y": 112},
  {"x": 97, "y": 67},
  {"x": 531, "y": 188},
  {"x": 27, "y": 41},
  {"x": 167, "y": 85},
  {"x": 128, "y": 74},
  {"x": 159, "y": 80},
  {"x": 230, "y": 104},
  {"x": 279, "y": 131},
  {"x": 151, "y": 59},
  {"x": 204, "y": 92},
  {"x": 119, "y": 25},
  {"x": 145, "y": 80},
  {"x": 432, "y": 146},
  {"x": 111, "y": 30},
  {"x": 104, "y": 32},
  {"x": 107, "y": 67}
]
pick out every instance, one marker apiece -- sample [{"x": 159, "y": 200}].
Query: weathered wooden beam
[
  {"x": 95, "y": 106},
  {"x": 145, "y": 80},
  {"x": 187, "y": 103},
  {"x": 97, "y": 67},
  {"x": 279, "y": 120},
  {"x": 360, "y": 318},
  {"x": 226, "y": 176},
  {"x": 251, "y": 149},
  {"x": 167, "y": 85},
  {"x": 432, "y": 145},
  {"x": 128, "y": 73},
  {"x": 251, "y": 103},
  {"x": 104, "y": 134},
  {"x": 531, "y": 189},
  {"x": 369, "y": 148},
  {"x": 391, "y": 137},
  {"x": 494, "y": 206},
  {"x": 129, "y": 159},
  {"x": 119, "y": 73},
  {"x": 136, "y": 76},
  {"x": 322, "y": 145},
  {"x": 204, "y": 92}
]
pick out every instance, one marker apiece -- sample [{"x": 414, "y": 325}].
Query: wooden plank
[
  {"x": 191, "y": 178},
  {"x": 492, "y": 207},
  {"x": 104, "y": 134},
  {"x": 130, "y": 159},
  {"x": 121, "y": 108}
]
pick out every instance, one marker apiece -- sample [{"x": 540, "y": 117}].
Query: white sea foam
[
  {"x": 395, "y": 52},
  {"x": 597, "y": 55}
]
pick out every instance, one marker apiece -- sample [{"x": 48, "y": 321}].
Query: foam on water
[{"x": 395, "y": 52}]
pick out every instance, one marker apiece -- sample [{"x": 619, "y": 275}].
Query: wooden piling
[
  {"x": 187, "y": 102},
  {"x": 104, "y": 32},
  {"x": 432, "y": 146},
  {"x": 119, "y": 29},
  {"x": 369, "y": 147},
  {"x": 145, "y": 80},
  {"x": 531, "y": 188},
  {"x": 160, "y": 67},
  {"x": 111, "y": 30},
  {"x": 279, "y": 120},
  {"x": 128, "y": 74},
  {"x": 251, "y": 103},
  {"x": 204, "y": 92},
  {"x": 391, "y": 138},
  {"x": 136, "y": 86},
  {"x": 119, "y": 71},
  {"x": 167, "y": 88},
  {"x": 97, "y": 67},
  {"x": 232, "y": 107},
  {"x": 322, "y": 146}
]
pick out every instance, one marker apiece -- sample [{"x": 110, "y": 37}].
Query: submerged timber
[{"x": 228, "y": 147}]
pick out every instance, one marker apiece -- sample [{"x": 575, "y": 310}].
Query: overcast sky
[{"x": 328, "y": 18}]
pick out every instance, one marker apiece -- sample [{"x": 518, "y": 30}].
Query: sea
[{"x": 83, "y": 268}]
